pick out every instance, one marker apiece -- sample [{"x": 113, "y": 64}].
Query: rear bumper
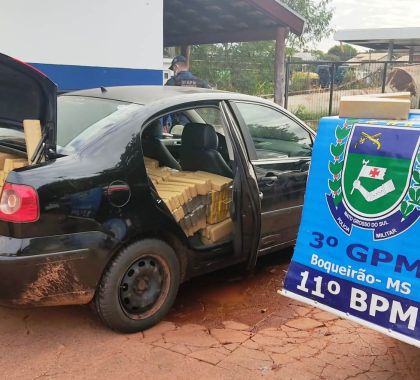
[{"x": 65, "y": 271}]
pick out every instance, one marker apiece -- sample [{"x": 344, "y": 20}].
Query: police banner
[{"x": 357, "y": 253}]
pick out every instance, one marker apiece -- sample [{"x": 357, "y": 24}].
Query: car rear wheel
[{"x": 139, "y": 287}]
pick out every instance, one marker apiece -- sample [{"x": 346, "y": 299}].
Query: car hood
[{"x": 26, "y": 93}]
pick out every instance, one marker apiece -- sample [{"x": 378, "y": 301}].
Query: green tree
[
  {"x": 318, "y": 15},
  {"x": 248, "y": 67},
  {"x": 242, "y": 67},
  {"x": 343, "y": 52}
]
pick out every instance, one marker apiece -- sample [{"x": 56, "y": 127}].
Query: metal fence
[
  {"x": 253, "y": 75},
  {"x": 314, "y": 88}
]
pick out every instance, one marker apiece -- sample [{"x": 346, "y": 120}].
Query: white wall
[{"x": 107, "y": 33}]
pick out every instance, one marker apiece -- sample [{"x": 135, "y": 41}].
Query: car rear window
[{"x": 79, "y": 118}]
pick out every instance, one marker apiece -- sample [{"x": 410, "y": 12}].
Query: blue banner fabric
[{"x": 357, "y": 252}]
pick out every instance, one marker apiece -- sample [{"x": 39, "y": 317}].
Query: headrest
[
  {"x": 154, "y": 130},
  {"x": 199, "y": 136}
]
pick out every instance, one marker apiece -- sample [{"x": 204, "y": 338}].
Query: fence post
[
  {"x": 286, "y": 85},
  {"x": 332, "y": 79},
  {"x": 384, "y": 77}
]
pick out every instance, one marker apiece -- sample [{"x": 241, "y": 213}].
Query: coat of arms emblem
[{"x": 376, "y": 178}]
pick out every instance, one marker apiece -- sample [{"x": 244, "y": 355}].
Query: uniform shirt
[{"x": 187, "y": 79}]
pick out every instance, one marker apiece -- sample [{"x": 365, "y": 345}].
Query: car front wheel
[{"x": 139, "y": 287}]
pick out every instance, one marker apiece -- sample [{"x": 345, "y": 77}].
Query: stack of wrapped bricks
[{"x": 199, "y": 201}]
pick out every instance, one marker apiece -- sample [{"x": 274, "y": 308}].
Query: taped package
[
  {"x": 195, "y": 199},
  {"x": 219, "y": 232},
  {"x": 219, "y": 198}
]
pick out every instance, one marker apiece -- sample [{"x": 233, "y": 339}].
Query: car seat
[
  {"x": 199, "y": 150},
  {"x": 154, "y": 148}
]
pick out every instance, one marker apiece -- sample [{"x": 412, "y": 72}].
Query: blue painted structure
[{"x": 72, "y": 77}]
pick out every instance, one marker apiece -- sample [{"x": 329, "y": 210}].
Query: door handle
[{"x": 268, "y": 180}]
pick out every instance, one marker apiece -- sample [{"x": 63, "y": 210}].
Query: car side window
[
  {"x": 212, "y": 116},
  {"x": 274, "y": 134},
  {"x": 206, "y": 115}
]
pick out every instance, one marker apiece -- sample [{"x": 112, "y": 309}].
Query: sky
[{"x": 358, "y": 14}]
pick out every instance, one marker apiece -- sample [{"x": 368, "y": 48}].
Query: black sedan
[{"x": 133, "y": 190}]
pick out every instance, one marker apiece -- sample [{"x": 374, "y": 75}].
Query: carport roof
[
  {"x": 193, "y": 22},
  {"x": 381, "y": 38}
]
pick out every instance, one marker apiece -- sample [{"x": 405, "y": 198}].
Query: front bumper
[{"x": 53, "y": 270}]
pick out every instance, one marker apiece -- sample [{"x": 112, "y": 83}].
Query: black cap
[{"x": 177, "y": 59}]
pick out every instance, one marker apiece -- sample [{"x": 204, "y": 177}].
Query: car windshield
[{"x": 80, "y": 118}]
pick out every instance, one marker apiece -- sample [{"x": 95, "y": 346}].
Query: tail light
[{"x": 19, "y": 204}]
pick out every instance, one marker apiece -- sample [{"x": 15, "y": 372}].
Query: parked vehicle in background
[
  {"x": 325, "y": 74},
  {"x": 303, "y": 81},
  {"x": 94, "y": 220}
]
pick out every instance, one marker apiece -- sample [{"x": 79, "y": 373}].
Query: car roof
[{"x": 146, "y": 95}]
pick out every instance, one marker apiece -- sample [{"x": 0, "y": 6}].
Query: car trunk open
[{"x": 25, "y": 95}]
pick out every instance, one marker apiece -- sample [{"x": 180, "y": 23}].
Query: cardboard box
[
  {"x": 4, "y": 157},
  {"x": 372, "y": 107},
  {"x": 33, "y": 135},
  {"x": 13, "y": 163},
  {"x": 391, "y": 95}
]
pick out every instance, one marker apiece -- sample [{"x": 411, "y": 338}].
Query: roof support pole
[
  {"x": 279, "y": 64},
  {"x": 186, "y": 52},
  {"x": 411, "y": 54},
  {"x": 390, "y": 50}
]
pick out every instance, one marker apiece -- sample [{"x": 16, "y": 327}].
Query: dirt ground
[{"x": 222, "y": 326}]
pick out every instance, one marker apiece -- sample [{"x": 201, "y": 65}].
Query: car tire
[{"x": 139, "y": 287}]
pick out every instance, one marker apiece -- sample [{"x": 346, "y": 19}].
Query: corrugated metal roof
[
  {"x": 190, "y": 22},
  {"x": 380, "y": 38}
]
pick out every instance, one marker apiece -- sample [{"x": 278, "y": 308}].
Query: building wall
[{"x": 86, "y": 43}]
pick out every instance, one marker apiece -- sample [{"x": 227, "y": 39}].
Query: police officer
[{"x": 183, "y": 77}]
